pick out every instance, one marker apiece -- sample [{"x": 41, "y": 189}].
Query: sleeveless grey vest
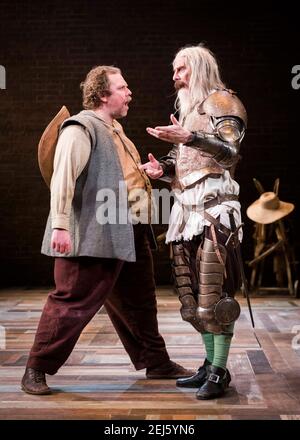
[{"x": 103, "y": 172}]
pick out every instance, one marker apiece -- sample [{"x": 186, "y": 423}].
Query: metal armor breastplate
[{"x": 192, "y": 164}]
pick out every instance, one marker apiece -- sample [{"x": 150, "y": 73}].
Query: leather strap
[
  {"x": 217, "y": 223},
  {"x": 217, "y": 250},
  {"x": 216, "y": 247},
  {"x": 220, "y": 199},
  {"x": 209, "y": 204}
]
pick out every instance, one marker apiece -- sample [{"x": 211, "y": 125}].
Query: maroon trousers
[{"x": 83, "y": 285}]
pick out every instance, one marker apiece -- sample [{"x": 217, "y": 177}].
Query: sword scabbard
[{"x": 237, "y": 246}]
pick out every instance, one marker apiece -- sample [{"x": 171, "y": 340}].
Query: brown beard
[{"x": 179, "y": 85}]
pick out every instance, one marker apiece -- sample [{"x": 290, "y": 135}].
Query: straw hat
[
  {"x": 47, "y": 144},
  {"x": 268, "y": 209}
]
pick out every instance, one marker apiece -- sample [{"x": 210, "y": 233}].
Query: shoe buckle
[{"x": 214, "y": 378}]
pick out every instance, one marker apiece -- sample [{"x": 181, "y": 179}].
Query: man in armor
[{"x": 206, "y": 210}]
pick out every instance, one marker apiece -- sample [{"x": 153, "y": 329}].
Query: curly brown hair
[{"x": 96, "y": 85}]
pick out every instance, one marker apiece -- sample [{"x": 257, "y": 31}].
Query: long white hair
[{"x": 205, "y": 77}]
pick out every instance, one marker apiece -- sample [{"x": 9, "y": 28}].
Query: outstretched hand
[
  {"x": 174, "y": 133},
  {"x": 152, "y": 168}
]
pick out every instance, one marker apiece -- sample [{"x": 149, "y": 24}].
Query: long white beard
[
  {"x": 189, "y": 115},
  {"x": 184, "y": 103}
]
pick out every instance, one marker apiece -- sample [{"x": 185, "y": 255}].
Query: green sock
[
  {"x": 221, "y": 349},
  {"x": 208, "y": 341}
]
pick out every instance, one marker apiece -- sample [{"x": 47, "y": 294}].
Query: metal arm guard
[
  {"x": 229, "y": 121},
  {"x": 223, "y": 145}
]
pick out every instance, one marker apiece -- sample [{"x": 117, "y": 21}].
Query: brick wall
[{"x": 47, "y": 48}]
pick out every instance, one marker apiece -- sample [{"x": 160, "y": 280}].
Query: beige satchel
[{"x": 47, "y": 144}]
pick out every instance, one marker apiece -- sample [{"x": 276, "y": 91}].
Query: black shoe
[
  {"x": 34, "y": 382},
  {"x": 216, "y": 383},
  {"x": 195, "y": 381}
]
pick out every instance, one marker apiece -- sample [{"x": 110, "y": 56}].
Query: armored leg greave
[
  {"x": 199, "y": 268},
  {"x": 211, "y": 259},
  {"x": 182, "y": 272}
]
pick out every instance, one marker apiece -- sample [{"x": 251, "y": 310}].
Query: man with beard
[
  {"x": 206, "y": 210},
  {"x": 96, "y": 261}
]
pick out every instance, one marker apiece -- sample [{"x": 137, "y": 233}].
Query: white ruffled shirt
[{"x": 201, "y": 192}]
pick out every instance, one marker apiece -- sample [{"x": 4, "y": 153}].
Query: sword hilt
[{"x": 233, "y": 235}]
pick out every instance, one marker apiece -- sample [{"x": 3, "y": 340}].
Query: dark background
[{"x": 48, "y": 47}]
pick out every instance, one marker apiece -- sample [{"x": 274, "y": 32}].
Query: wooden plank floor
[{"x": 99, "y": 382}]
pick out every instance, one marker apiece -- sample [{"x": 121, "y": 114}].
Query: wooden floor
[{"x": 99, "y": 382}]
